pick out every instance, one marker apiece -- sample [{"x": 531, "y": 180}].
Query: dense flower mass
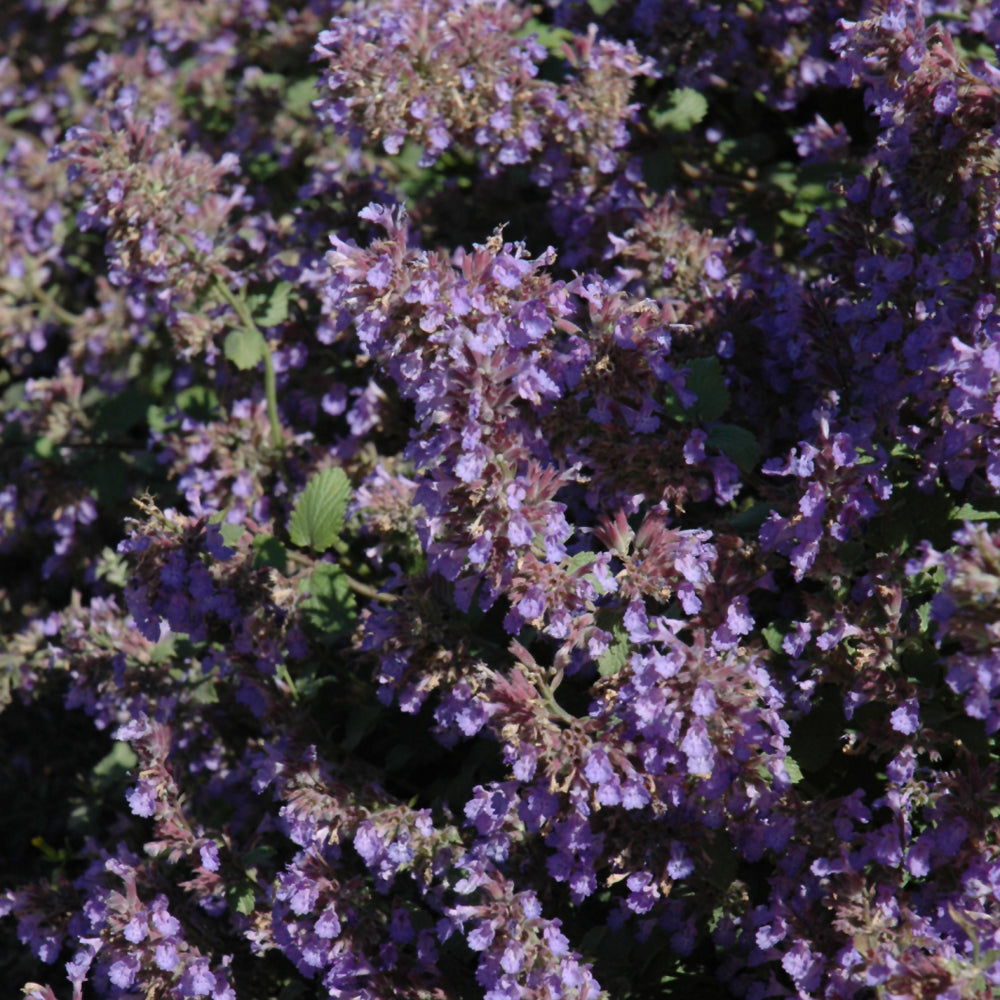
[{"x": 496, "y": 499}]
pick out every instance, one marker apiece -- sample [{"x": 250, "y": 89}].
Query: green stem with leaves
[
  {"x": 44, "y": 299},
  {"x": 242, "y": 310},
  {"x": 270, "y": 379}
]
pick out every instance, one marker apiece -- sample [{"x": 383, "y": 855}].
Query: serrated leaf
[
  {"x": 266, "y": 81},
  {"x": 231, "y": 533},
  {"x": 924, "y": 616},
  {"x": 706, "y": 380},
  {"x": 116, "y": 415},
  {"x": 735, "y": 443},
  {"x": 703, "y": 377},
  {"x": 793, "y": 770},
  {"x": 198, "y": 402},
  {"x": 300, "y": 95},
  {"x": 685, "y": 108},
  {"x": 580, "y": 560},
  {"x": 773, "y": 637},
  {"x": 274, "y": 309},
  {"x": 318, "y": 517},
  {"x": 241, "y": 898},
  {"x": 330, "y": 606},
  {"x": 359, "y": 724},
  {"x": 268, "y": 551},
  {"x": 257, "y": 856},
  {"x": 44, "y": 447},
  {"x": 244, "y": 347},
  {"x": 616, "y": 655},
  {"x": 751, "y": 518},
  {"x": 969, "y": 513},
  {"x": 121, "y": 759},
  {"x": 550, "y": 37}
]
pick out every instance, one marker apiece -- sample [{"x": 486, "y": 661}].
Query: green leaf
[
  {"x": 318, "y": 517},
  {"x": 300, "y": 95},
  {"x": 274, "y": 307},
  {"x": 685, "y": 108},
  {"x": 616, "y": 655},
  {"x": 550, "y": 37},
  {"x": 704, "y": 377},
  {"x": 751, "y": 517},
  {"x": 330, "y": 607},
  {"x": 735, "y": 443},
  {"x": 112, "y": 568},
  {"x": 706, "y": 380},
  {"x": 360, "y": 723},
  {"x": 581, "y": 559},
  {"x": 245, "y": 347},
  {"x": 773, "y": 637},
  {"x": 44, "y": 447},
  {"x": 723, "y": 860},
  {"x": 268, "y": 551},
  {"x": 793, "y": 218},
  {"x": 116, "y": 415},
  {"x": 231, "y": 533},
  {"x": 793, "y": 769},
  {"x": 265, "y": 82},
  {"x": 924, "y": 616},
  {"x": 117, "y": 763},
  {"x": 969, "y": 513},
  {"x": 107, "y": 477},
  {"x": 241, "y": 897},
  {"x": 198, "y": 402}
]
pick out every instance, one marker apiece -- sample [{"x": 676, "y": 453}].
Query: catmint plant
[{"x": 496, "y": 500}]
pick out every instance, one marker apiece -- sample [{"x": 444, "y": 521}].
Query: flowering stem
[
  {"x": 553, "y": 706},
  {"x": 368, "y": 591},
  {"x": 246, "y": 318},
  {"x": 270, "y": 380},
  {"x": 364, "y": 589},
  {"x": 63, "y": 315},
  {"x": 286, "y": 678}
]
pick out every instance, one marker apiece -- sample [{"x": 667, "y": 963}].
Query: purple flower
[
  {"x": 166, "y": 956},
  {"x": 803, "y": 966},
  {"x": 532, "y": 605},
  {"x": 699, "y": 749},
  {"x": 380, "y": 274},
  {"x": 714, "y": 267},
  {"x": 328, "y": 923},
  {"x": 142, "y": 798},
  {"x": 946, "y": 98},
  {"x": 901, "y": 768},
  {"x": 481, "y": 936},
  {"x": 488, "y": 808},
  {"x": 123, "y": 971},
  {"x": 704, "y": 703},
  {"x": 198, "y": 979},
  {"x": 400, "y": 927},
  {"x": 136, "y": 929},
  {"x": 209, "y": 854},
  {"x": 906, "y": 718}
]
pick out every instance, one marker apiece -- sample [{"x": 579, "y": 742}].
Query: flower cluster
[
  {"x": 458, "y": 72},
  {"x": 496, "y": 499}
]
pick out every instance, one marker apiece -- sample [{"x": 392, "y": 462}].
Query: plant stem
[
  {"x": 61, "y": 314},
  {"x": 270, "y": 379}
]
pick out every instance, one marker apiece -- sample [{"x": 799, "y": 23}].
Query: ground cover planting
[{"x": 498, "y": 499}]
